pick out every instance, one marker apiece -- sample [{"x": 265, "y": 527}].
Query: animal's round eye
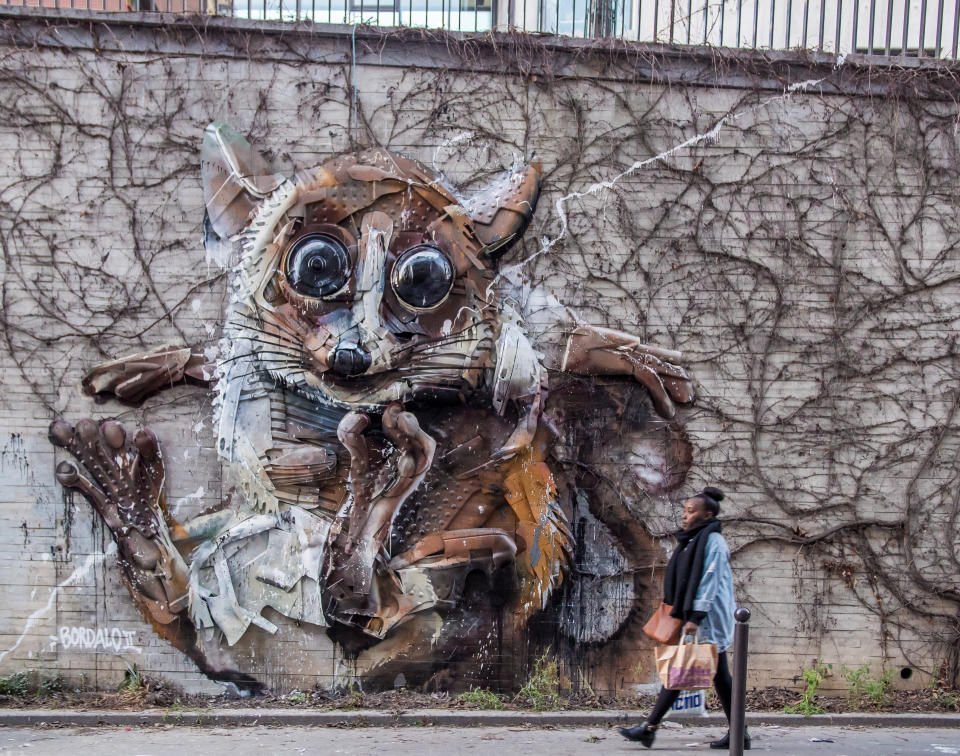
[
  {"x": 318, "y": 265},
  {"x": 422, "y": 277}
]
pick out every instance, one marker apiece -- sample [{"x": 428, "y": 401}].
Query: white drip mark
[
  {"x": 446, "y": 145},
  {"x": 78, "y": 574},
  {"x": 191, "y": 497},
  {"x": 803, "y": 86},
  {"x": 370, "y": 282}
]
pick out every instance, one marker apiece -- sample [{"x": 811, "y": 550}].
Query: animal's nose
[{"x": 349, "y": 359}]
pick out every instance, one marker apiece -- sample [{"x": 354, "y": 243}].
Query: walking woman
[{"x": 699, "y": 587}]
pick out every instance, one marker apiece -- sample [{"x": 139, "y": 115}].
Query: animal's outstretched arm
[
  {"x": 592, "y": 350},
  {"x": 123, "y": 479},
  {"x": 124, "y": 482},
  {"x": 135, "y": 376}
]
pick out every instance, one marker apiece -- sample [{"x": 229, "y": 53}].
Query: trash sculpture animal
[{"x": 387, "y": 457}]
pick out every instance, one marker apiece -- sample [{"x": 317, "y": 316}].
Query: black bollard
[{"x": 738, "y": 705}]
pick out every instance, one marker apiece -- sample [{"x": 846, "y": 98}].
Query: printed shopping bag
[{"x": 687, "y": 666}]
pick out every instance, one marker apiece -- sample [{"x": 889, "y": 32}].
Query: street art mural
[{"x": 402, "y": 468}]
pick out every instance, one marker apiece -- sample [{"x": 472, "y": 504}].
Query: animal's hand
[
  {"x": 350, "y": 432},
  {"x": 135, "y": 376},
  {"x": 415, "y": 446},
  {"x": 603, "y": 351},
  {"x": 371, "y": 511},
  {"x": 666, "y": 382},
  {"x": 124, "y": 482}
]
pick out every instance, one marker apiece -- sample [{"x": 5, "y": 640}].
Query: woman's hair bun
[{"x": 714, "y": 493}]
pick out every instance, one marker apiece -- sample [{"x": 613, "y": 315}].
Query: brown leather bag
[{"x": 663, "y": 628}]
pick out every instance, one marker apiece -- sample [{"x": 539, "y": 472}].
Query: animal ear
[
  {"x": 500, "y": 213},
  {"x": 235, "y": 178}
]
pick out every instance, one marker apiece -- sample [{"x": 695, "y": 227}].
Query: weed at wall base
[
  {"x": 541, "y": 692},
  {"x": 814, "y": 679}
]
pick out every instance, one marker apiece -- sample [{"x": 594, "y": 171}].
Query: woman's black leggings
[{"x": 721, "y": 681}]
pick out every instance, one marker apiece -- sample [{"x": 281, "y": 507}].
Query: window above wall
[{"x": 896, "y": 28}]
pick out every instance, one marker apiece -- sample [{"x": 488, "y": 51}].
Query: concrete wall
[{"x": 790, "y": 224}]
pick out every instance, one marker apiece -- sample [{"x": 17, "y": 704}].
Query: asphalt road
[{"x": 168, "y": 740}]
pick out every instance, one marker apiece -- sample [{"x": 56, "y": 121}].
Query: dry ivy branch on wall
[{"x": 805, "y": 261}]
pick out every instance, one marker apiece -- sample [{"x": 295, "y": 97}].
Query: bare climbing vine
[{"x": 805, "y": 257}]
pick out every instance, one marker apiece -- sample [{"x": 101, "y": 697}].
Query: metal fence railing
[{"x": 881, "y": 27}]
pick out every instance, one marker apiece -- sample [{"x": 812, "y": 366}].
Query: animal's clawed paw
[
  {"x": 411, "y": 460},
  {"x": 667, "y": 383},
  {"x": 123, "y": 479},
  {"x": 416, "y": 447},
  {"x": 375, "y": 496},
  {"x": 592, "y": 350}
]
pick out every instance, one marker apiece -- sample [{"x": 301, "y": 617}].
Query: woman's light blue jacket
[{"x": 715, "y": 595}]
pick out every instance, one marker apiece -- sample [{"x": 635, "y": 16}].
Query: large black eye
[
  {"x": 318, "y": 265},
  {"x": 422, "y": 277}
]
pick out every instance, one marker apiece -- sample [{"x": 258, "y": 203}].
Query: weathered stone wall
[{"x": 791, "y": 225}]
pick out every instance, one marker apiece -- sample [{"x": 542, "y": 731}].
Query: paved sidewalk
[
  {"x": 294, "y": 717},
  {"x": 171, "y": 740}
]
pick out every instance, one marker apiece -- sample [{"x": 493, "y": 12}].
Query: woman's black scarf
[{"x": 686, "y": 567}]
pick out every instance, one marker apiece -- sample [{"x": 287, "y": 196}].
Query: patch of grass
[
  {"x": 174, "y": 711},
  {"x": 944, "y": 695},
  {"x": 541, "y": 692},
  {"x": 52, "y": 686},
  {"x": 947, "y": 700},
  {"x": 134, "y": 687},
  {"x": 863, "y": 686},
  {"x": 857, "y": 679},
  {"x": 17, "y": 684},
  {"x": 480, "y": 698},
  {"x": 132, "y": 680},
  {"x": 814, "y": 679},
  {"x": 297, "y": 697},
  {"x": 352, "y": 698},
  {"x": 878, "y": 689}
]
